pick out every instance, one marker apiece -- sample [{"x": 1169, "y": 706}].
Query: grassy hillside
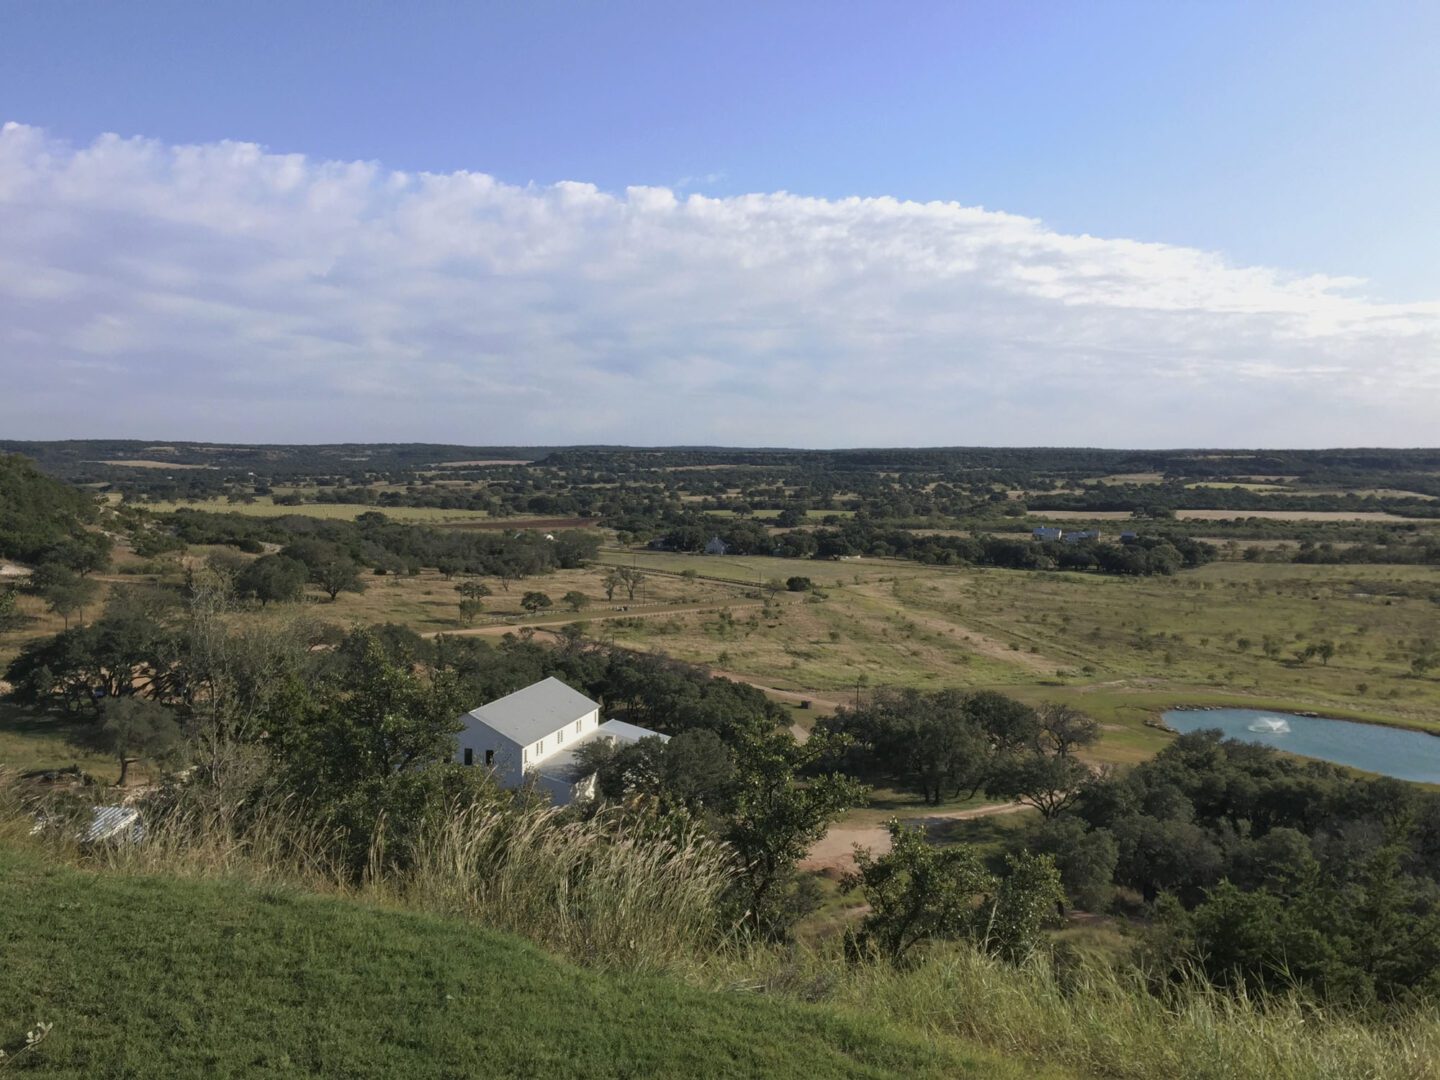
[{"x": 159, "y": 977}]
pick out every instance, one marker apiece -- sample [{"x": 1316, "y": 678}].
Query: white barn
[{"x": 532, "y": 735}]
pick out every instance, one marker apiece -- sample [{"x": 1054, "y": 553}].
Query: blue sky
[{"x": 1262, "y": 147}]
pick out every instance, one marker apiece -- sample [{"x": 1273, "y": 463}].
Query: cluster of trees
[
  {"x": 53, "y": 526},
  {"x": 1264, "y": 871},
  {"x": 1421, "y": 551},
  {"x": 1174, "y": 495},
  {"x": 948, "y": 743},
  {"x": 1138, "y": 555},
  {"x": 374, "y": 541},
  {"x": 43, "y": 520},
  {"x": 918, "y": 891}
]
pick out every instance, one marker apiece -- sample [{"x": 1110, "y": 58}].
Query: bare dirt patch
[{"x": 836, "y": 849}]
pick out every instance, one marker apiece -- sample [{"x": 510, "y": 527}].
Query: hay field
[
  {"x": 1226, "y": 515},
  {"x": 762, "y": 568},
  {"x": 141, "y": 463},
  {"x": 264, "y": 506},
  {"x": 1292, "y": 515}
]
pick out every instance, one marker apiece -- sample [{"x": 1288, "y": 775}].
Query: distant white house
[
  {"x": 1047, "y": 532},
  {"x": 716, "y": 546},
  {"x": 533, "y": 734}
]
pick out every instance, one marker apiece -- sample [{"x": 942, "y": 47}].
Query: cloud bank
[{"x": 223, "y": 292}]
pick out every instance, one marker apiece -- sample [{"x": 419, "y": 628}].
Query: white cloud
[{"x": 220, "y": 291}]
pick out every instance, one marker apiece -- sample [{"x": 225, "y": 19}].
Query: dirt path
[
  {"x": 587, "y": 616},
  {"x": 835, "y": 851},
  {"x": 974, "y": 640}
]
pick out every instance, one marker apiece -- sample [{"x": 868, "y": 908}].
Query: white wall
[
  {"x": 573, "y": 731},
  {"x": 511, "y": 759},
  {"x": 509, "y": 756}
]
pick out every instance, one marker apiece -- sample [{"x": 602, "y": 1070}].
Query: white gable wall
[
  {"x": 511, "y": 759},
  {"x": 479, "y": 738}
]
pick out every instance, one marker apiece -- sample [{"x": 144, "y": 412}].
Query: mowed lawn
[{"x": 158, "y": 977}]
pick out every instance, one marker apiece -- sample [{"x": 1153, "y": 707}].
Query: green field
[{"x": 159, "y": 977}]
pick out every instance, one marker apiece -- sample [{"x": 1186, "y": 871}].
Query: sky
[{"x": 802, "y": 224}]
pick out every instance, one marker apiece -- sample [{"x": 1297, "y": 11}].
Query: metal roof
[
  {"x": 534, "y": 712},
  {"x": 629, "y": 732},
  {"x": 114, "y": 823}
]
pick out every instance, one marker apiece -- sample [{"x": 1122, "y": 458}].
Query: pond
[{"x": 1405, "y": 755}]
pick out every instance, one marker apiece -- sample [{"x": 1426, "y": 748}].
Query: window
[
  {"x": 540, "y": 747},
  {"x": 525, "y": 754},
  {"x": 489, "y": 757},
  {"x": 577, "y": 727},
  {"x": 559, "y": 736},
  {"x": 469, "y": 756}
]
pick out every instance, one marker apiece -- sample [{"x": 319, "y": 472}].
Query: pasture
[
  {"x": 1228, "y": 515},
  {"x": 1121, "y": 648},
  {"x": 264, "y": 506}
]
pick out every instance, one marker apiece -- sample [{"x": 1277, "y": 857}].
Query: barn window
[
  {"x": 489, "y": 757},
  {"x": 469, "y": 756}
]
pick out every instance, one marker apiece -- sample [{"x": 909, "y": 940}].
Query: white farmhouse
[{"x": 533, "y": 734}]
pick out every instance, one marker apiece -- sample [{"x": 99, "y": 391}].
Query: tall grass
[
  {"x": 601, "y": 893},
  {"x": 590, "y": 889},
  {"x": 1104, "y": 1021},
  {"x": 584, "y": 888}
]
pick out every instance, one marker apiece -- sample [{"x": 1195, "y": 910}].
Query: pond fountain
[
  {"x": 1405, "y": 755},
  {"x": 1271, "y": 725}
]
